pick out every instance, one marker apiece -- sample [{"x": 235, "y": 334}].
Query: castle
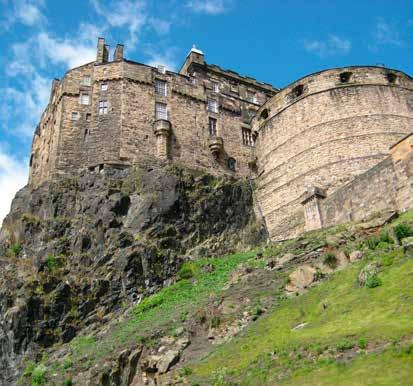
[{"x": 331, "y": 147}]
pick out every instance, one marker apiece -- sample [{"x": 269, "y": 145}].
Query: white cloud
[
  {"x": 13, "y": 176},
  {"x": 211, "y": 7},
  {"x": 24, "y": 106},
  {"x": 333, "y": 45},
  {"x": 69, "y": 52},
  {"x": 124, "y": 13},
  {"x": 26, "y": 12},
  {"x": 165, "y": 58},
  {"x": 385, "y": 33}
]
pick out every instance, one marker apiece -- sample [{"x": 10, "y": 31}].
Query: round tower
[{"x": 323, "y": 130}]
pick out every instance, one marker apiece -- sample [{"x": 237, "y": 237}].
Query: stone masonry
[{"x": 318, "y": 149}]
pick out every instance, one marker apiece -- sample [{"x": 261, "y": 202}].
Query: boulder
[
  {"x": 356, "y": 255},
  {"x": 301, "y": 278},
  {"x": 167, "y": 360},
  {"x": 369, "y": 270},
  {"x": 407, "y": 243}
]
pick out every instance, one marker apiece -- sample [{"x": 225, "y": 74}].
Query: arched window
[
  {"x": 298, "y": 90},
  {"x": 391, "y": 77},
  {"x": 232, "y": 163},
  {"x": 345, "y": 77},
  {"x": 264, "y": 114}
]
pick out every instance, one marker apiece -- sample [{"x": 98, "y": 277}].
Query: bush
[
  {"x": 362, "y": 343},
  {"x": 39, "y": 375},
  {"x": 52, "y": 263},
  {"x": 385, "y": 237},
  {"x": 344, "y": 345},
  {"x": 330, "y": 260},
  {"x": 16, "y": 249},
  {"x": 402, "y": 231},
  {"x": 372, "y": 242},
  {"x": 215, "y": 321},
  {"x": 372, "y": 281},
  {"x": 187, "y": 271}
]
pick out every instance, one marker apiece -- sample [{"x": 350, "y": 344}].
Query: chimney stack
[
  {"x": 102, "y": 55},
  {"x": 118, "y": 55}
]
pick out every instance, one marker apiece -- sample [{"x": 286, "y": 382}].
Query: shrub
[
  {"x": 184, "y": 371},
  {"x": 39, "y": 375},
  {"x": 402, "y": 231},
  {"x": 372, "y": 281},
  {"x": 385, "y": 237},
  {"x": 67, "y": 382},
  {"x": 344, "y": 345},
  {"x": 330, "y": 260},
  {"x": 16, "y": 249},
  {"x": 362, "y": 343},
  {"x": 187, "y": 271},
  {"x": 52, "y": 263},
  {"x": 372, "y": 242},
  {"x": 215, "y": 321}
]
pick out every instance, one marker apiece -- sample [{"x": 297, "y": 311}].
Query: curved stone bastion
[{"x": 323, "y": 130}]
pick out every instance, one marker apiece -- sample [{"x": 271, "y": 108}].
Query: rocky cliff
[{"x": 76, "y": 253}]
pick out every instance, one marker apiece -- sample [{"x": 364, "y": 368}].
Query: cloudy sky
[{"x": 272, "y": 40}]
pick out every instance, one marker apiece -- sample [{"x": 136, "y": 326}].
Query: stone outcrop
[{"x": 73, "y": 251}]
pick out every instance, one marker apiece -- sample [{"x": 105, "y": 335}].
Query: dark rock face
[{"x": 73, "y": 251}]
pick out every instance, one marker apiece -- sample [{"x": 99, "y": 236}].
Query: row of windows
[
  {"x": 161, "y": 88},
  {"x": 248, "y": 139},
  {"x": 344, "y": 77}
]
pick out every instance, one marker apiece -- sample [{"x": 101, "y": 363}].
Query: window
[
  {"x": 298, "y": 90},
  {"x": 86, "y": 81},
  {"x": 391, "y": 77},
  {"x": 104, "y": 87},
  {"x": 345, "y": 77},
  {"x": 247, "y": 137},
  {"x": 160, "y": 87},
  {"x": 103, "y": 107},
  {"x": 215, "y": 86},
  {"x": 88, "y": 115},
  {"x": 231, "y": 163},
  {"x": 213, "y": 105},
  {"x": 161, "y": 111},
  {"x": 251, "y": 97},
  {"x": 264, "y": 114},
  {"x": 212, "y": 127},
  {"x": 75, "y": 116},
  {"x": 84, "y": 99}
]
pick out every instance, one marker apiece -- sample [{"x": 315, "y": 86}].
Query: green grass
[
  {"x": 378, "y": 314},
  {"x": 164, "y": 310},
  {"x": 393, "y": 366}
]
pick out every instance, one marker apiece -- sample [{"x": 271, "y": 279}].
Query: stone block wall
[
  {"x": 124, "y": 135},
  {"x": 321, "y": 131}
]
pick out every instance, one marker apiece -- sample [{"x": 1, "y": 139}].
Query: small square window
[
  {"x": 161, "y": 111},
  {"x": 86, "y": 81},
  {"x": 104, "y": 87},
  {"x": 212, "y": 127},
  {"x": 213, "y": 105},
  {"x": 160, "y": 87},
  {"x": 75, "y": 115},
  {"x": 103, "y": 107},
  {"x": 215, "y": 87},
  {"x": 252, "y": 96},
  {"x": 84, "y": 99},
  {"x": 247, "y": 137}
]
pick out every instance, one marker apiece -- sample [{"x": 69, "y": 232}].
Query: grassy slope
[
  {"x": 271, "y": 348},
  {"x": 341, "y": 318}
]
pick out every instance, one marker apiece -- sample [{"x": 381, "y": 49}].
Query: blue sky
[{"x": 273, "y": 41}]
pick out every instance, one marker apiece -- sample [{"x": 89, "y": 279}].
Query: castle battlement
[{"x": 316, "y": 134}]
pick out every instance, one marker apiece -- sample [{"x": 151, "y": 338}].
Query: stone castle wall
[
  {"x": 319, "y": 149},
  {"x": 83, "y": 138},
  {"x": 324, "y": 130}
]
